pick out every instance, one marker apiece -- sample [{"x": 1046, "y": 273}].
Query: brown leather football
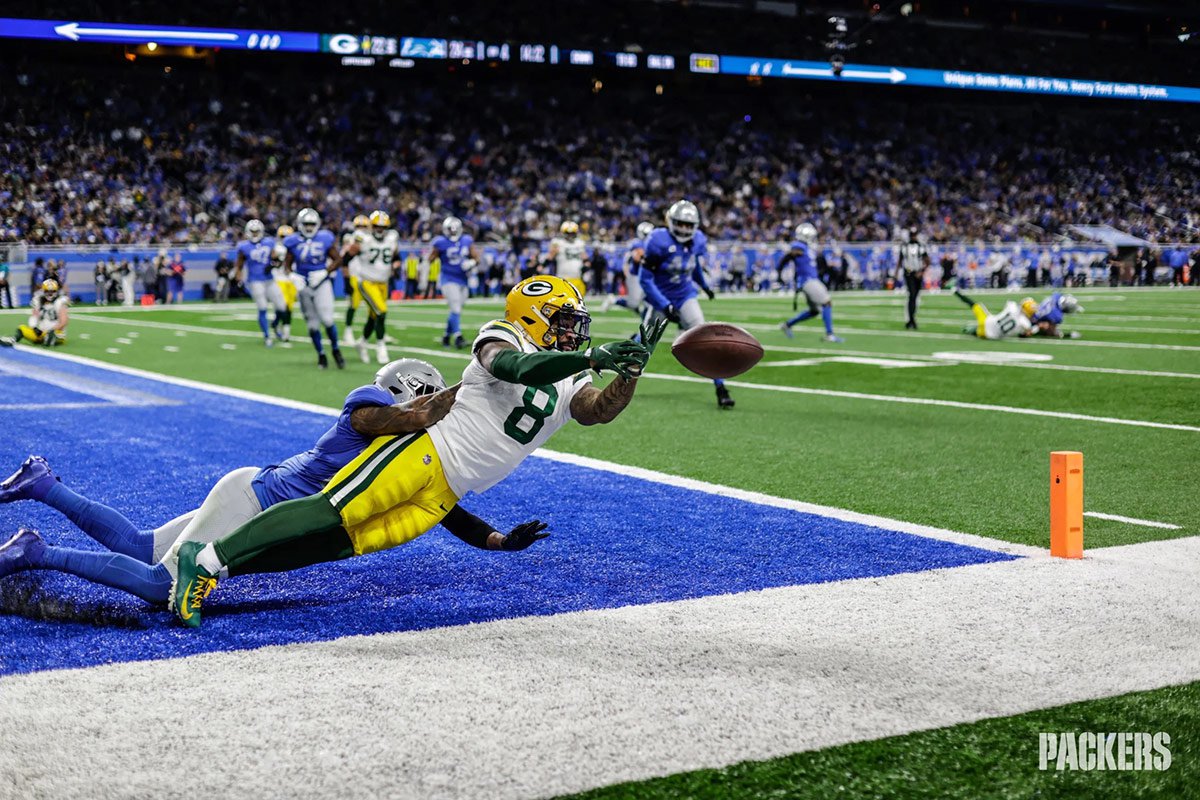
[{"x": 717, "y": 350}]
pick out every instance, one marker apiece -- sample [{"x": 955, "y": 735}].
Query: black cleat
[
  {"x": 322, "y": 361},
  {"x": 723, "y": 398},
  {"x": 459, "y": 342},
  {"x": 910, "y": 325},
  {"x": 446, "y": 340},
  {"x": 337, "y": 359}
]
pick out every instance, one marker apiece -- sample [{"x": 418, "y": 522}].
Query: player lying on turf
[
  {"x": 1049, "y": 315},
  {"x": 526, "y": 379},
  {"x": 47, "y": 321},
  {"x": 407, "y": 395},
  {"x": 1012, "y": 321}
]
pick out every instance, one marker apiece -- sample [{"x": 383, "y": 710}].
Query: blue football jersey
[
  {"x": 258, "y": 258},
  {"x": 672, "y": 267},
  {"x": 452, "y": 255},
  {"x": 306, "y": 474},
  {"x": 805, "y": 265},
  {"x": 309, "y": 255},
  {"x": 1049, "y": 311}
]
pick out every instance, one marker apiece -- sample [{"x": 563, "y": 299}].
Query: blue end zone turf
[{"x": 616, "y": 540}]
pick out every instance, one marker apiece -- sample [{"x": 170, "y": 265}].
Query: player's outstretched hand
[
  {"x": 711, "y": 294},
  {"x": 625, "y": 358},
  {"x": 649, "y": 337},
  {"x": 524, "y": 535}
]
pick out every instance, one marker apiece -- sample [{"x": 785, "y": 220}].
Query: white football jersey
[
  {"x": 1009, "y": 322},
  {"x": 45, "y": 315},
  {"x": 571, "y": 254},
  {"x": 494, "y": 424},
  {"x": 355, "y": 263},
  {"x": 375, "y": 256}
]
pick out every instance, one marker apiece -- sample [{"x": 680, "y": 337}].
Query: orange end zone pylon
[{"x": 1066, "y": 504}]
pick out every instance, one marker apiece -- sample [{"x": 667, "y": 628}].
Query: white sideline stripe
[
  {"x": 926, "y": 401},
  {"x": 1148, "y": 523},
  {"x": 171, "y": 326},
  {"x": 567, "y": 702},
  {"x": 968, "y": 539}
]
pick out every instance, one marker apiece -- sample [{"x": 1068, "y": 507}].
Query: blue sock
[
  {"x": 151, "y": 583},
  {"x": 803, "y": 315},
  {"x": 827, "y": 316},
  {"x": 718, "y": 382},
  {"x": 316, "y": 339},
  {"x": 262, "y": 323},
  {"x": 622, "y": 302},
  {"x": 107, "y": 526},
  {"x": 331, "y": 332},
  {"x": 453, "y": 325}
]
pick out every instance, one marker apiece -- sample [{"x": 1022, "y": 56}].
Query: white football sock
[{"x": 208, "y": 560}]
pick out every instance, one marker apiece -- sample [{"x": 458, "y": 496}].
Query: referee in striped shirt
[{"x": 913, "y": 260}]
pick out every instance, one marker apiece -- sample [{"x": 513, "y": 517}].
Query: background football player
[
  {"x": 568, "y": 256},
  {"x": 1014, "y": 320},
  {"x": 48, "y": 318},
  {"x": 312, "y": 258},
  {"x": 378, "y": 255},
  {"x": 282, "y": 324},
  {"x": 631, "y": 264},
  {"x": 453, "y": 252},
  {"x": 672, "y": 270},
  {"x": 407, "y": 395},
  {"x": 1049, "y": 315},
  {"x": 526, "y": 379},
  {"x": 807, "y": 282},
  {"x": 254, "y": 255},
  {"x": 350, "y": 271}
]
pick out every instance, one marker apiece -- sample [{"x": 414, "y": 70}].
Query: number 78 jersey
[{"x": 495, "y": 424}]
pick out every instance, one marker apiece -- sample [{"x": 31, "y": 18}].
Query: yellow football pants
[
  {"x": 375, "y": 294},
  {"x": 355, "y": 292},
  {"x": 35, "y": 336},
  {"x": 981, "y": 315},
  {"x": 391, "y": 493},
  {"x": 288, "y": 290}
]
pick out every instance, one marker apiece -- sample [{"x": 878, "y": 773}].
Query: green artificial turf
[
  {"x": 978, "y": 471},
  {"x": 995, "y": 758}
]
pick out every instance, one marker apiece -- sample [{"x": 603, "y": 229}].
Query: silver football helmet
[
  {"x": 255, "y": 230},
  {"x": 683, "y": 219},
  {"x": 807, "y": 233},
  {"x": 308, "y": 222},
  {"x": 452, "y": 228},
  {"x": 409, "y": 378},
  {"x": 644, "y": 229},
  {"x": 1069, "y": 305}
]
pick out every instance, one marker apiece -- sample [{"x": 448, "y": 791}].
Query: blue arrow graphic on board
[{"x": 73, "y": 31}]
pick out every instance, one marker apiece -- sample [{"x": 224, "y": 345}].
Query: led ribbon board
[
  {"x": 121, "y": 33},
  {"x": 954, "y": 79}
]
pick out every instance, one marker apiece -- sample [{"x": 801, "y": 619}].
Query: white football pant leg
[{"x": 230, "y": 504}]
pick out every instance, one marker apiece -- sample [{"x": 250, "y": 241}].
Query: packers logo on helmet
[
  {"x": 1029, "y": 307},
  {"x": 550, "y": 312}
]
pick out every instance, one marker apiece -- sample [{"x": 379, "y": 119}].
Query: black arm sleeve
[{"x": 468, "y": 527}]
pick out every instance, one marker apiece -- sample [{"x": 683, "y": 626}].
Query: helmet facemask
[{"x": 570, "y": 329}]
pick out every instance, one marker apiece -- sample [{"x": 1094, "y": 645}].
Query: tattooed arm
[
  {"x": 591, "y": 406},
  {"x": 406, "y": 418}
]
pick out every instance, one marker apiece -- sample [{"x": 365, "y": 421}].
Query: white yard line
[
  {"x": 1147, "y": 523},
  {"x": 567, "y": 702}
]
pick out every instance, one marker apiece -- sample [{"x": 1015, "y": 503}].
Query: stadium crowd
[{"x": 148, "y": 157}]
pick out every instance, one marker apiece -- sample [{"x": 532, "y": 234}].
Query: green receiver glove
[
  {"x": 625, "y": 358},
  {"x": 649, "y": 336}
]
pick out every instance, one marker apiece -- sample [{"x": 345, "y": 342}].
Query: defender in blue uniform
[
  {"x": 312, "y": 259},
  {"x": 672, "y": 270},
  {"x": 809, "y": 282},
  {"x": 254, "y": 255},
  {"x": 1049, "y": 315},
  {"x": 407, "y": 395},
  {"x": 458, "y": 255}
]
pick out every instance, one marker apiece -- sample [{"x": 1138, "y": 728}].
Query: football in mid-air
[{"x": 717, "y": 350}]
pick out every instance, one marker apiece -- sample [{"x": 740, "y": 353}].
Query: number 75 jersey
[{"x": 495, "y": 424}]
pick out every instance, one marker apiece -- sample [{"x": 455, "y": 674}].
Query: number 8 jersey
[{"x": 495, "y": 424}]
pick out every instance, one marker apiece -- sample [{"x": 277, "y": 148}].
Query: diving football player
[
  {"x": 350, "y": 270},
  {"x": 312, "y": 258},
  {"x": 407, "y": 395},
  {"x": 455, "y": 251},
  {"x": 672, "y": 269},
  {"x": 526, "y": 379},
  {"x": 254, "y": 255},
  {"x": 808, "y": 283},
  {"x": 1012, "y": 321},
  {"x": 1049, "y": 315},
  {"x": 378, "y": 256},
  {"x": 48, "y": 319}
]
